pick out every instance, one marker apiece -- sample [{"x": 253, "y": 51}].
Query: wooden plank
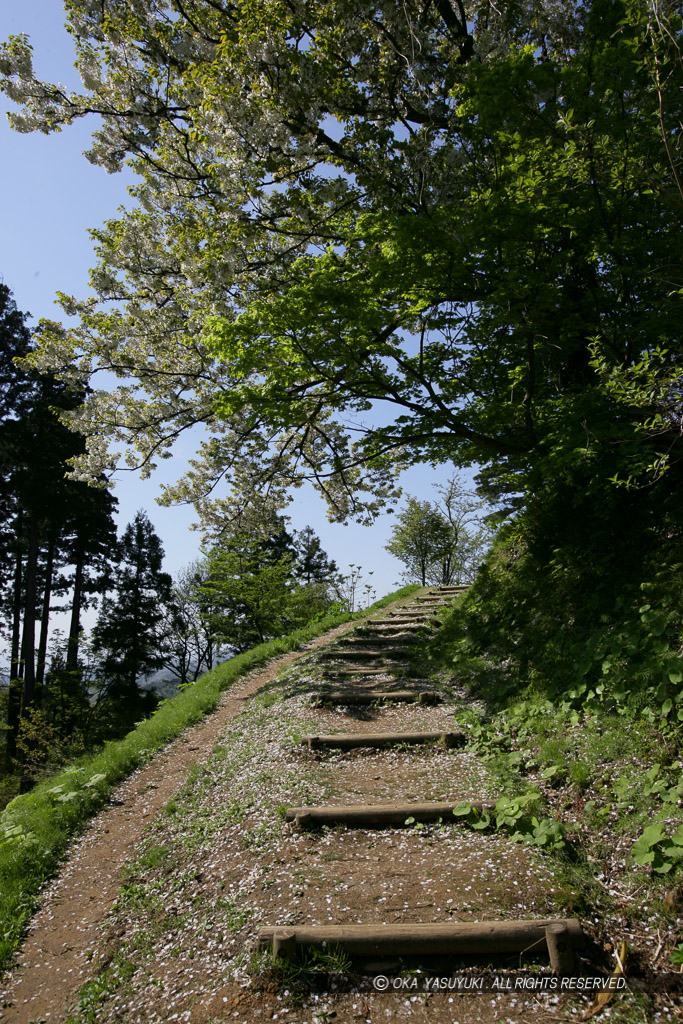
[
  {"x": 474, "y": 938},
  {"x": 350, "y": 741},
  {"x": 405, "y": 623},
  {"x": 363, "y": 652},
  {"x": 349, "y": 697},
  {"x": 378, "y": 643},
  {"x": 392, "y": 815},
  {"x": 362, "y": 670}
]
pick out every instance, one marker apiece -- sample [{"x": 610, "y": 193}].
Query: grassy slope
[
  {"x": 36, "y": 828},
  {"x": 606, "y": 771}
]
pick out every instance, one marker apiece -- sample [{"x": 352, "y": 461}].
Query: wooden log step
[
  {"x": 425, "y": 605},
  {"x": 386, "y": 642},
  {"x": 362, "y": 670},
  {"x": 461, "y": 939},
  {"x": 392, "y": 620},
  {"x": 377, "y": 642},
  {"x": 395, "y": 631},
  {"x": 346, "y": 685},
  {"x": 457, "y": 939},
  {"x": 376, "y": 815},
  {"x": 377, "y": 696},
  {"x": 414, "y": 612},
  {"x": 351, "y": 691},
  {"x": 361, "y": 652},
  {"x": 405, "y": 623},
  {"x": 427, "y": 609},
  {"x": 400, "y": 620},
  {"x": 352, "y": 740}
]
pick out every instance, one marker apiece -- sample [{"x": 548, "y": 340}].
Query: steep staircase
[{"x": 372, "y": 667}]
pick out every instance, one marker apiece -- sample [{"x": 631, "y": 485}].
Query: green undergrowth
[
  {"x": 591, "y": 724},
  {"x": 296, "y": 974},
  {"x": 520, "y": 817},
  {"x": 595, "y": 714},
  {"x": 35, "y": 828}
]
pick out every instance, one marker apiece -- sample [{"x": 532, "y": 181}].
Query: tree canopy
[
  {"x": 256, "y": 589},
  {"x": 442, "y": 542},
  {"x": 368, "y": 235}
]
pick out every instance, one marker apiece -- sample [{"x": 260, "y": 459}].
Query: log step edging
[
  {"x": 362, "y": 652},
  {"x": 382, "y": 647},
  {"x": 411, "y": 614},
  {"x": 379, "y": 697},
  {"x": 395, "y": 815},
  {"x": 404, "y": 620},
  {"x": 350, "y": 741},
  {"x": 393, "y": 621},
  {"x": 364, "y": 670},
  {"x": 477, "y": 938}
]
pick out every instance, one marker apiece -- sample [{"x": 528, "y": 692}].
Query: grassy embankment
[
  {"x": 36, "y": 828},
  {"x": 594, "y": 746}
]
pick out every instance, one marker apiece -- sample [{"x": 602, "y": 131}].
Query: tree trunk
[
  {"x": 15, "y": 664},
  {"x": 45, "y": 614},
  {"x": 14, "y": 696},
  {"x": 75, "y": 624},
  {"x": 28, "y": 643}
]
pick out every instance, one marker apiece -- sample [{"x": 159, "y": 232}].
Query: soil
[{"x": 53, "y": 962}]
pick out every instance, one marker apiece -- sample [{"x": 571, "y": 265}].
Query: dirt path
[
  {"x": 220, "y": 862},
  {"x": 53, "y": 963},
  {"x": 173, "y": 938}
]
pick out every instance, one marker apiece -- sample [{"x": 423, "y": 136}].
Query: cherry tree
[{"x": 368, "y": 235}]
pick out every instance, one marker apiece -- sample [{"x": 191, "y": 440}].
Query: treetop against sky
[
  {"x": 50, "y": 197},
  {"x": 487, "y": 248}
]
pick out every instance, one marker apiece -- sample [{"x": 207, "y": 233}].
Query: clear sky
[{"x": 49, "y": 197}]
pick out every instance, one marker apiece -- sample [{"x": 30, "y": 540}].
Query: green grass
[
  {"x": 35, "y": 828},
  {"x": 297, "y": 970}
]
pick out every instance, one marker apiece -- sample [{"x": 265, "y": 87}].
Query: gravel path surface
[{"x": 53, "y": 963}]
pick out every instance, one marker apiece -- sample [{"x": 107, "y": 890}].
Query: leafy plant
[
  {"x": 658, "y": 850},
  {"x": 309, "y": 961},
  {"x": 513, "y": 815}
]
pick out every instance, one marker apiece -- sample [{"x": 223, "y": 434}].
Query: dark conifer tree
[
  {"x": 312, "y": 563},
  {"x": 130, "y": 633},
  {"x": 15, "y": 398},
  {"x": 90, "y": 544},
  {"x": 42, "y": 514}
]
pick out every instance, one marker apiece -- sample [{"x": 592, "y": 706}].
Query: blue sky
[{"x": 49, "y": 197}]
